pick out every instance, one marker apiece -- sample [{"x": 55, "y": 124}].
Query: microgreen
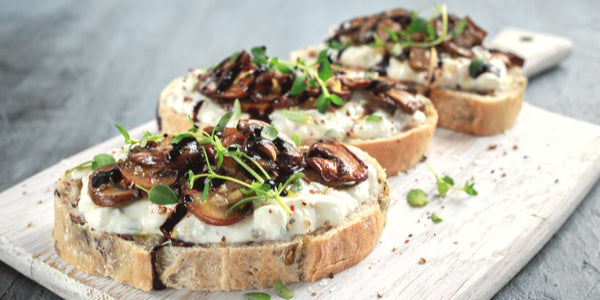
[
  {"x": 269, "y": 133},
  {"x": 101, "y": 160},
  {"x": 476, "y": 67},
  {"x": 299, "y": 85},
  {"x": 402, "y": 39},
  {"x": 283, "y": 290},
  {"x": 373, "y": 118},
  {"x": 416, "y": 197},
  {"x": 258, "y": 296},
  {"x": 97, "y": 162},
  {"x": 295, "y": 116},
  {"x": 446, "y": 183},
  {"x": 296, "y": 139},
  {"x": 143, "y": 142},
  {"x": 237, "y": 112},
  {"x": 160, "y": 194},
  {"x": 234, "y": 56},
  {"x": 435, "y": 217},
  {"x": 305, "y": 75}
]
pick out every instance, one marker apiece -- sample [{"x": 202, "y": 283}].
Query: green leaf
[
  {"x": 322, "y": 56},
  {"x": 460, "y": 27},
  {"x": 448, "y": 179},
  {"x": 369, "y": 75},
  {"x": 258, "y": 296},
  {"x": 297, "y": 186},
  {"x": 180, "y": 137},
  {"x": 237, "y": 111},
  {"x": 296, "y": 139},
  {"x": 269, "y": 132},
  {"x": 283, "y": 290},
  {"x": 295, "y": 116},
  {"x": 223, "y": 121},
  {"x": 374, "y": 118},
  {"x": 283, "y": 68},
  {"x": 325, "y": 71},
  {"x": 416, "y": 197},
  {"x": 162, "y": 194},
  {"x": 102, "y": 160},
  {"x": 435, "y": 217},
  {"x": 417, "y": 25},
  {"x": 392, "y": 34},
  {"x": 322, "y": 103},
  {"x": 205, "y": 190},
  {"x": 442, "y": 188},
  {"x": 259, "y": 54},
  {"x": 234, "y": 56},
  {"x": 336, "y": 99},
  {"x": 123, "y": 132},
  {"x": 431, "y": 32},
  {"x": 312, "y": 83},
  {"x": 470, "y": 190},
  {"x": 476, "y": 67},
  {"x": 299, "y": 85},
  {"x": 295, "y": 177}
]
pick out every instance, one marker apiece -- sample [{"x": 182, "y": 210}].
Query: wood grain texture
[{"x": 529, "y": 181}]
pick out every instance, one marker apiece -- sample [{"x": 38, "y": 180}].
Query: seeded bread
[
  {"x": 396, "y": 153},
  {"x": 150, "y": 262}
]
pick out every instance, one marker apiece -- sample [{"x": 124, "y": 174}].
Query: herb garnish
[
  {"x": 435, "y": 217},
  {"x": 476, "y": 67},
  {"x": 283, "y": 290},
  {"x": 97, "y": 162},
  {"x": 401, "y": 39},
  {"x": 373, "y": 118},
  {"x": 447, "y": 182},
  {"x": 416, "y": 197},
  {"x": 304, "y": 74},
  {"x": 162, "y": 194},
  {"x": 296, "y": 139},
  {"x": 295, "y": 116},
  {"x": 258, "y": 296}
]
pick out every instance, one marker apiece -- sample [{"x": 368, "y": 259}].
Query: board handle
[{"x": 541, "y": 51}]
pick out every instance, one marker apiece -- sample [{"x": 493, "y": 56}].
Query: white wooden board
[{"x": 528, "y": 185}]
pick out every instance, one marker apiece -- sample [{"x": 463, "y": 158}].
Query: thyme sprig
[
  {"x": 401, "y": 39},
  {"x": 259, "y": 187},
  {"x": 315, "y": 75},
  {"x": 445, "y": 183}
]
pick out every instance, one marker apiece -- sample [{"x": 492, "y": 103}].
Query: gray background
[{"x": 70, "y": 70}]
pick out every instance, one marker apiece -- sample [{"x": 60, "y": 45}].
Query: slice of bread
[
  {"x": 466, "y": 111},
  {"x": 151, "y": 262},
  {"x": 481, "y": 114},
  {"x": 396, "y": 153}
]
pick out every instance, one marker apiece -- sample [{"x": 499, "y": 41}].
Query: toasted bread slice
[
  {"x": 150, "y": 262},
  {"x": 396, "y": 153}
]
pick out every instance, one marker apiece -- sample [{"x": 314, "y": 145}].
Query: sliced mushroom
[
  {"x": 249, "y": 126},
  {"x": 146, "y": 176},
  {"x": 405, "y": 100},
  {"x": 419, "y": 58},
  {"x": 154, "y": 154},
  {"x": 106, "y": 187},
  {"x": 220, "y": 78},
  {"x": 214, "y": 209},
  {"x": 336, "y": 164}
]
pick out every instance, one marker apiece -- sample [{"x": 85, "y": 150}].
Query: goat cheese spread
[
  {"x": 313, "y": 205},
  {"x": 345, "y": 124},
  {"x": 453, "y": 73}
]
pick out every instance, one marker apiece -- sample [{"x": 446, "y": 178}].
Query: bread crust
[
  {"x": 148, "y": 263},
  {"x": 396, "y": 153},
  {"x": 481, "y": 114}
]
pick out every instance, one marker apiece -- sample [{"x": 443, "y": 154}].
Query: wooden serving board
[{"x": 529, "y": 180}]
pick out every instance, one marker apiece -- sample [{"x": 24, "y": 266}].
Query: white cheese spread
[
  {"x": 453, "y": 73},
  {"x": 314, "y": 206},
  {"x": 346, "y": 124}
]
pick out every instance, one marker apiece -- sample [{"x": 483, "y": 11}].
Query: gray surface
[{"x": 69, "y": 70}]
